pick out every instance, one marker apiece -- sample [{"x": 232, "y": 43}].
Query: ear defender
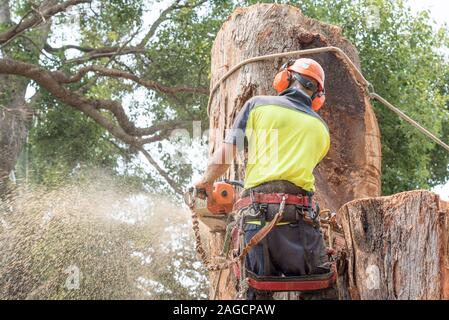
[
  {"x": 283, "y": 78},
  {"x": 282, "y": 81},
  {"x": 301, "y": 67},
  {"x": 318, "y": 100}
]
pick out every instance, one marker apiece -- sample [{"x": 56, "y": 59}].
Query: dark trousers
[{"x": 294, "y": 249}]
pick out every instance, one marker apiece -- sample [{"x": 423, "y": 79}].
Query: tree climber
[{"x": 285, "y": 140}]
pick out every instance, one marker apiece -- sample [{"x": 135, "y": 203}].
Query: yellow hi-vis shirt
[{"x": 286, "y": 139}]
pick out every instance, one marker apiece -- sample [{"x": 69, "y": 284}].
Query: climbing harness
[{"x": 234, "y": 259}]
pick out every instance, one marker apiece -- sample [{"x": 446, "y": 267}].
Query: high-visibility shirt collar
[{"x": 298, "y": 96}]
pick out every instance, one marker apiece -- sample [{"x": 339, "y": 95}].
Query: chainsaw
[{"x": 212, "y": 205}]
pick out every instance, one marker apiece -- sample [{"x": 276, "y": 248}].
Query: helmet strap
[{"x": 306, "y": 83}]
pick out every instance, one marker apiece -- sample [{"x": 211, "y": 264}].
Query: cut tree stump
[
  {"x": 352, "y": 168},
  {"x": 397, "y": 247}
]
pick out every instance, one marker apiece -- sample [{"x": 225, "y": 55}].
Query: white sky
[{"x": 439, "y": 9}]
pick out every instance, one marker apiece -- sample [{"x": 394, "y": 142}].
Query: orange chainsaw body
[{"x": 220, "y": 200}]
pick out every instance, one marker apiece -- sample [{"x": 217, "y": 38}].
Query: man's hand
[{"x": 203, "y": 185}]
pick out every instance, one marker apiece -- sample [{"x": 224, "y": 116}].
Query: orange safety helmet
[{"x": 307, "y": 67}]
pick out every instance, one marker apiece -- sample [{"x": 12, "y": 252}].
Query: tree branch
[
  {"x": 91, "y": 107},
  {"x": 39, "y": 15},
  {"x": 163, "y": 17},
  {"x": 95, "y": 53},
  {"x": 50, "y": 82},
  {"x": 115, "y": 73},
  {"x": 85, "y": 88},
  {"x": 51, "y": 49},
  {"x": 161, "y": 171},
  {"x": 104, "y": 53}
]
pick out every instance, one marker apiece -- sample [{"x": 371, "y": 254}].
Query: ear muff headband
[
  {"x": 284, "y": 77},
  {"x": 306, "y": 83}
]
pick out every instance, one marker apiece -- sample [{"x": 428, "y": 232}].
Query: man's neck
[{"x": 299, "y": 86}]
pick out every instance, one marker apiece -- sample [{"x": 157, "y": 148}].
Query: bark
[
  {"x": 12, "y": 126},
  {"x": 398, "y": 247},
  {"x": 13, "y": 129},
  {"x": 15, "y": 114},
  {"x": 351, "y": 170}
]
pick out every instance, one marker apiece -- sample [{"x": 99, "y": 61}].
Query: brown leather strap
[
  {"x": 262, "y": 233},
  {"x": 286, "y": 284}
]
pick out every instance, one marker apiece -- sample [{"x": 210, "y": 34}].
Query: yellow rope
[{"x": 357, "y": 74}]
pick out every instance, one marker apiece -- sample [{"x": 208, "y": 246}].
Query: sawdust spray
[{"x": 96, "y": 239}]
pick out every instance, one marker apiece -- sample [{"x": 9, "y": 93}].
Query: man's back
[{"x": 286, "y": 139}]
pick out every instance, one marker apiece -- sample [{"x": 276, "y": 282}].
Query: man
[{"x": 286, "y": 139}]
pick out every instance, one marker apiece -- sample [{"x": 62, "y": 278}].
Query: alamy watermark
[
  {"x": 372, "y": 281},
  {"x": 266, "y": 140},
  {"x": 372, "y": 17},
  {"x": 73, "y": 280}
]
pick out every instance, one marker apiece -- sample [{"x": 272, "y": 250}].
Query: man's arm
[
  {"x": 222, "y": 158},
  {"x": 220, "y": 162}
]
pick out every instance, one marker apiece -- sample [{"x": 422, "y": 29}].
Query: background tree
[
  {"x": 157, "y": 71},
  {"x": 115, "y": 51}
]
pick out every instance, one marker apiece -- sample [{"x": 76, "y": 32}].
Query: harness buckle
[
  {"x": 254, "y": 204},
  {"x": 263, "y": 208}
]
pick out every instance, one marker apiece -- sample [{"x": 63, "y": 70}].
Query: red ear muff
[
  {"x": 282, "y": 81},
  {"x": 318, "y": 100}
]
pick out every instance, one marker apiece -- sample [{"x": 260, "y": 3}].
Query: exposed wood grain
[{"x": 397, "y": 247}]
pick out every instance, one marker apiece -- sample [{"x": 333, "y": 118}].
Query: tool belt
[
  {"x": 274, "y": 198},
  {"x": 296, "y": 207}
]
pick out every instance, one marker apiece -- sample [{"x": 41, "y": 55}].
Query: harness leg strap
[
  {"x": 266, "y": 254},
  {"x": 303, "y": 239}
]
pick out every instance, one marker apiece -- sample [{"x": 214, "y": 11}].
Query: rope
[
  {"x": 210, "y": 265},
  {"x": 359, "y": 76},
  {"x": 367, "y": 86},
  {"x": 405, "y": 117}
]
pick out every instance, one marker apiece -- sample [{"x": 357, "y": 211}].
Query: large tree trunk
[
  {"x": 397, "y": 247},
  {"x": 15, "y": 114},
  {"x": 352, "y": 168},
  {"x": 13, "y": 124}
]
